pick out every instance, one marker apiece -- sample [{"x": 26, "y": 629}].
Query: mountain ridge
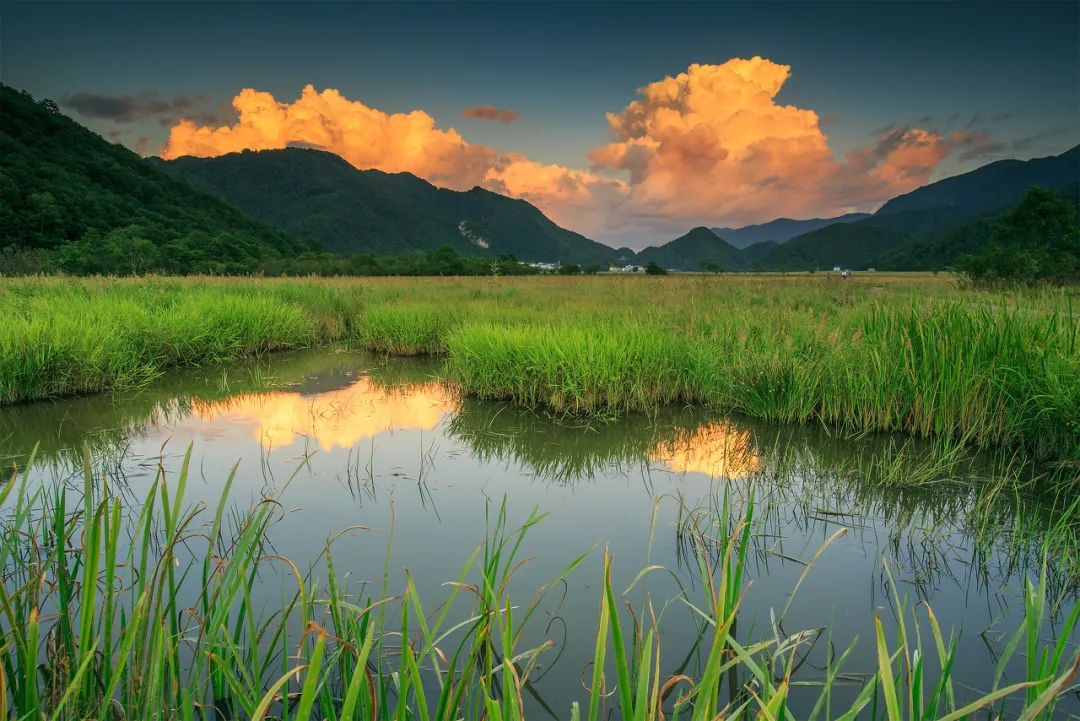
[
  {"x": 316, "y": 194},
  {"x": 690, "y": 250},
  {"x": 780, "y": 230}
]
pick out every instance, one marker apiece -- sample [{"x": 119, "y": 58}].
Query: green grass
[
  {"x": 914, "y": 354},
  {"x": 111, "y": 610}
]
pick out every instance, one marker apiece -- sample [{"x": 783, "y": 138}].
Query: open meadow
[
  {"x": 799, "y": 439},
  {"x": 875, "y": 352}
]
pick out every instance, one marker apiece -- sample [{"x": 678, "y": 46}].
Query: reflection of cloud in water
[
  {"x": 337, "y": 418},
  {"x": 719, "y": 449}
]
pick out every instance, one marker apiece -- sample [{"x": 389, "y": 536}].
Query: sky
[{"x": 629, "y": 123}]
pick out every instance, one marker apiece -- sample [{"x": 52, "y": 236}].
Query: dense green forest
[
  {"x": 75, "y": 202},
  {"x": 441, "y": 261},
  {"x": 317, "y": 195},
  {"x": 1039, "y": 241}
]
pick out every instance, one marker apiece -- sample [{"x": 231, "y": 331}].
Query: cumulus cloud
[
  {"x": 573, "y": 198},
  {"x": 393, "y": 142},
  {"x": 713, "y": 144},
  {"x": 364, "y": 136},
  {"x": 492, "y": 112}
]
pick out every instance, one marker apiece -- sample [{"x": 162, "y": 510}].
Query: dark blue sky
[{"x": 1011, "y": 70}]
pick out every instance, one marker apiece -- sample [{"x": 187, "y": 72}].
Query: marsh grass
[
  {"x": 150, "y": 611},
  {"x": 911, "y": 354}
]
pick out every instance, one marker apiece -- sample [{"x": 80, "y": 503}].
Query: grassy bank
[
  {"x": 913, "y": 354},
  {"x": 151, "y": 611}
]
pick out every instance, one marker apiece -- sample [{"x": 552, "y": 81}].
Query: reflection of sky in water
[
  {"x": 358, "y": 434},
  {"x": 718, "y": 450},
  {"x": 343, "y": 417},
  {"x": 332, "y": 419}
]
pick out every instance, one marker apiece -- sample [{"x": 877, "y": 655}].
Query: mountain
[
  {"x": 688, "y": 251},
  {"x": 940, "y": 250},
  {"x": 758, "y": 252},
  {"x": 68, "y": 194},
  {"x": 929, "y": 228},
  {"x": 318, "y": 195},
  {"x": 780, "y": 230},
  {"x": 848, "y": 245},
  {"x": 990, "y": 189}
]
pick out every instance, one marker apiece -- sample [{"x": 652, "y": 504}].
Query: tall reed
[{"x": 113, "y": 611}]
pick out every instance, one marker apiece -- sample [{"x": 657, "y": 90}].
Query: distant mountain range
[
  {"x": 780, "y": 230},
  {"x": 699, "y": 249},
  {"x": 925, "y": 229},
  {"x": 75, "y": 199},
  {"x": 317, "y": 195}
]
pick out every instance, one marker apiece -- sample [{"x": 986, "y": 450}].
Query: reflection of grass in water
[
  {"x": 927, "y": 493},
  {"x": 108, "y": 424},
  {"x": 563, "y": 450},
  {"x": 94, "y": 627},
  {"x": 938, "y": 487},
  {"x": 930, "y": 494}
]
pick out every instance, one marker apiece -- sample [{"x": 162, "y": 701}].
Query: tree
[
  {"x": 1038, "y": 242},
  {"x": 710, "y": 266},
  {"x": 570, "y": 269},
  {"x": 653, "y": 269},
  {"x": 129, "y": 252},
  {"x": 46, "y": 213}
]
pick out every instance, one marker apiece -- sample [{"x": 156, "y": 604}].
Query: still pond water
[{"x": 368, "y": 437}]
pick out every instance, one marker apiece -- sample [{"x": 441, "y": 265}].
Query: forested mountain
[
  {"x": 991, "y": 189},
  {"x": 848, "y": 245},
  {"x": 780, "y": 230},
  {"x": 71, "y": 199},
  {"x": 927, "y": 229},
  {"x": 700, "y": 249},
  {"x": 757, "y": 253},
  {"x": 318, "y": 195}
]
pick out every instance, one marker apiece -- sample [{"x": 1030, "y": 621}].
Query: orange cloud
[
  {"x": 364, "y": 136},
  {"x": 710, "y": 146},
  {"x": 713, "y": 144},
  {"x": 393, "y": 142},
  {"x": 336, "y": 419},
  {"x": 492, "y": 112},
  {"x": 718, "y": 450},
  {"x": 572, "y": 198}
]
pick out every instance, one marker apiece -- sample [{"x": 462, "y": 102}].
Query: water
[{"x": 369, "y": 442}]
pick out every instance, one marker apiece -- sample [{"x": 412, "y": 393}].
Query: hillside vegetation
[
  {"x": 927, "y": 229},
  {"x": 74, "y": 201},
  {"x": 700, "y": 249},
  {"x": 317, "y": 195}
]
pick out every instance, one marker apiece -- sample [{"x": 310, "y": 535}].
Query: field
[
  {"x": 909, "y": 353},
  {"x": 76, "y": 648},
  {"x": 117, "y": 607}
]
